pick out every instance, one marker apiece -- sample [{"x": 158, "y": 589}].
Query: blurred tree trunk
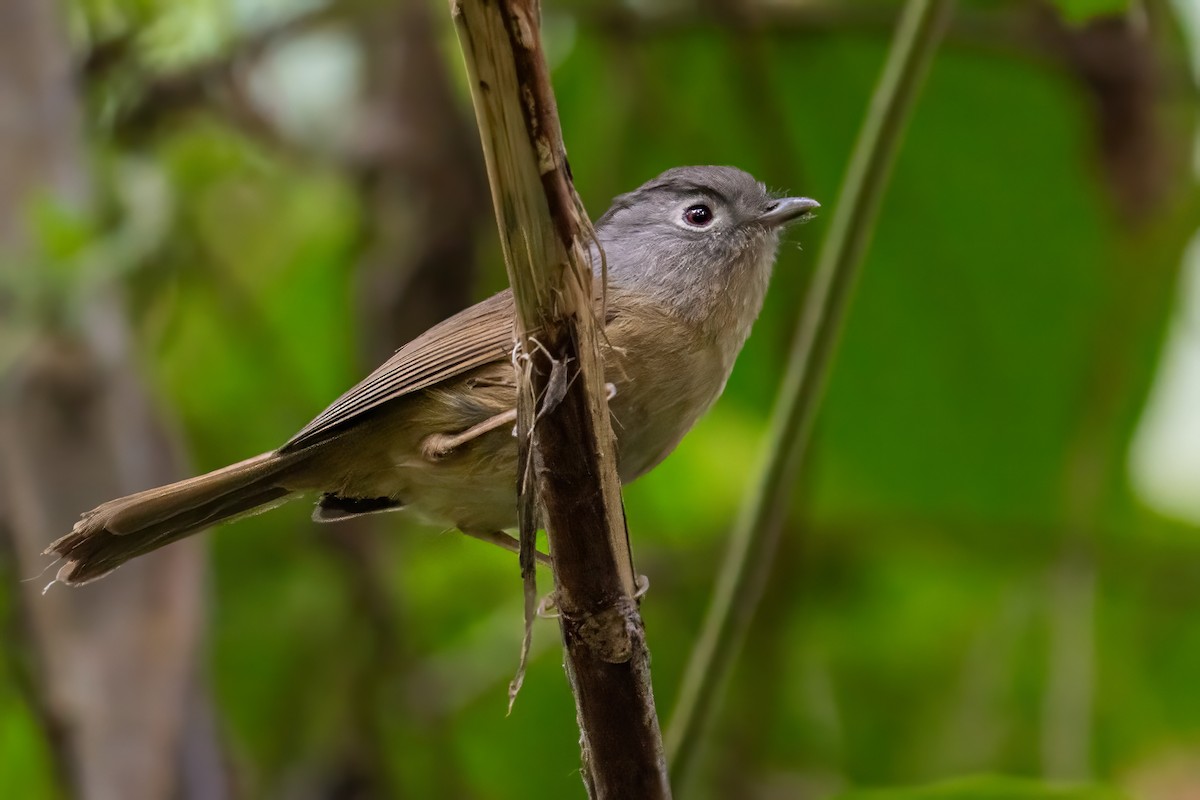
[
  {"x": 425, "y": 197},
  {"x": 423, "y": 178},
  {"x": 113, "y": 664}
]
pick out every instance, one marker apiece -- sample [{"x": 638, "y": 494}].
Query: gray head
[{"x": 700, "y": 239}]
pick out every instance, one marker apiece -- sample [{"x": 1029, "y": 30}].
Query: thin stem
[{"x": 739, "y": 587}]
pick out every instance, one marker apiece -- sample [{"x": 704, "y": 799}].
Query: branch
[
  {"x": 753, "y": 544},
  {"x": 1002, "y": 28},
  {"x": 217, "y": 83},
  {"x": 565, "y": 440}
]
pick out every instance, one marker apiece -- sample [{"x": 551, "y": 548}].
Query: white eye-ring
[{"x": 698, "y": 215}]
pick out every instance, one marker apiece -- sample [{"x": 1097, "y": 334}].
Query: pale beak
[{"x": 788, "y": 209}]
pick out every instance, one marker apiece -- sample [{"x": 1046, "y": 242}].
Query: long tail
[{"x": 111, "y": 534}]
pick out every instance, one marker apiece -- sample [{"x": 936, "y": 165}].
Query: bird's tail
[{"x": 109, "y": 535}]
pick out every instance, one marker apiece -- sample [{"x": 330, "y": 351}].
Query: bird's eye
[{"x": 698, "y": 216}]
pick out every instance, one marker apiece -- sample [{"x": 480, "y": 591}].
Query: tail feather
[{"x": 111, "y": 534}]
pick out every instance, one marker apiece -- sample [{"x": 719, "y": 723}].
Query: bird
[{"x": 689, "y": 256}]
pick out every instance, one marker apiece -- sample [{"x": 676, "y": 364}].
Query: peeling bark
[{"x": 564, "y": 434}]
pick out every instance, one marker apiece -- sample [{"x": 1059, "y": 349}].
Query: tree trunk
[{"x": 114, "y": 663}]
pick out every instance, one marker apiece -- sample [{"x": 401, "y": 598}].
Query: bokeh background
[{"x": 216, "y": 215}]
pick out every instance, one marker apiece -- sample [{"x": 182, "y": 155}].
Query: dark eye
[{"x": 698, "y": 216}]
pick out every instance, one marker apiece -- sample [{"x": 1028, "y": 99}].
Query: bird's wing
[{"x": 479, "y": 335}]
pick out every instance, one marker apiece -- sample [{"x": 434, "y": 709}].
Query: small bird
[{"x": 689, "y": 257}]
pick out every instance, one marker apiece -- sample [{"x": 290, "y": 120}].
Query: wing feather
[{"x": 479, "y": 335}]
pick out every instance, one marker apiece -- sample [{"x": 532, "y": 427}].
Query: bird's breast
[{"x": 666, "y": 375}]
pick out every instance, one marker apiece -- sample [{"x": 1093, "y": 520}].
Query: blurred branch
[
  {"x": 755, "y": 538},
  {"x": 422, "y": 177},
  {"x": 761, "y": 103},
  {"x": 1070, "y": 684},
  {"x": 1117, "y": 66},
  {"x": 119, "y": 52},
  {"x": 1011, "y": 29},
  {"x": 544, "y": 231},
  {"x": 1006, "y": 28},
  {"x": 1030, "y": 29},
  {"x": 217, "y": 83}
]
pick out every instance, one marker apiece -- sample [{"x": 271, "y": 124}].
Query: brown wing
[{"x": 476, "y": 336}]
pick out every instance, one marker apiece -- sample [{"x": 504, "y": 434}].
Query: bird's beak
[{"x": 788, "y": 209}]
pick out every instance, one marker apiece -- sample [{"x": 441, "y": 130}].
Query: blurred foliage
[
  {"x": 1083, "y": 10},
  {"x": 966, "y": 505},
  {"x": 988, "y": 788}
]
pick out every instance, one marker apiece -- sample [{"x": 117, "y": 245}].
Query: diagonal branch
[{"x": 739, "y": 587}]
